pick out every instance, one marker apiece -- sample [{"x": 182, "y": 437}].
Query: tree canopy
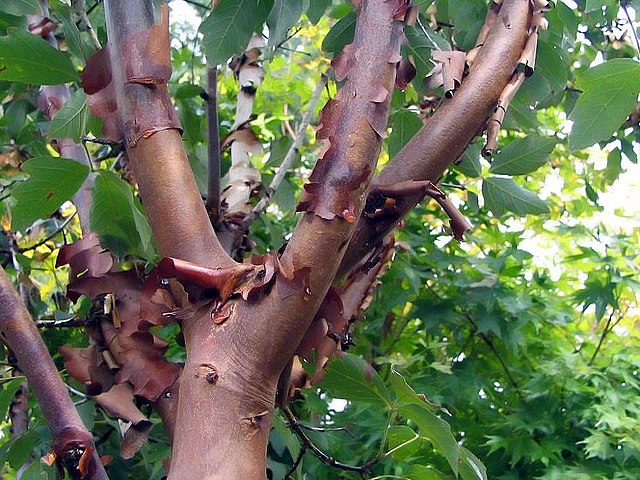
[{"x": 495, "y": 333}]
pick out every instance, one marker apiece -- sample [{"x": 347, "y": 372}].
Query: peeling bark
[
  {"x": 253, "y": 345},
  {"x": 243, "y": 177},
  {"x": 447, "y": 133}
]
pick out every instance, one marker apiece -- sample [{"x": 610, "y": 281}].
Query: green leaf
[
  {"x": 470, "y": 164},
  {"x": 610, "y": 91},
  {"x": 351, "y": 378},
  {"x": 27, "y": 58},
  {"x": 229, "y": 27},
  {"x": 117, "y": 218},
  {"x": 405, "y": 395},
  {"x": 405, "y": 125},
  {"x": 52, "y": 181},
  {"x": 284, "y": 15},
  {"x": 422, "y": 472},
  {"x": 20, "y": 7},
  {"x": 340, "y": 34},
  {"x": 471, "y": 468},
  {"x": 316, "y": 10},
  {"x": 402, "y": 435},
  {"x": 503, "y": 194},
  {"x": 437, "y": 431},
  {"x": 71, "y": 119},
  {"x": 21, "y": 448},
  {"x": 74, "y": 39},
  {"x": 7, "y": 392},
  {"x": 523, "y": 155}
]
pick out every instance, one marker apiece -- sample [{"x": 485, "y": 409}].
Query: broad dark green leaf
[
  {"x": 470, "y": 164},
  {"x": 340, "y": 34},
  {"x": 52, "y": 181},
  {"x": 117, "y": 218},
  {"x": 405, "y": 125},
  {"x": 503, "y": 194},
  {"x": 7, "y": 392},
  {"x": 610, "y": 93},
  {"x": 523, "y": 155},
  {"x": 20, "y": 448},
  {"x": 229, "y": 27},
  {"x": 351, "y": 378},
  {"x": 316, "y": 10},
  {"x": 20, "y": 7},
  {"x": 284, "y": 15},
  {"x": 437, "y": 431},
  {"x": 27, "y": 58},
  {"x": 71, "y": 119}
]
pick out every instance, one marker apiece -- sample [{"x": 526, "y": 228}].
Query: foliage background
[{"x": 526, "y": 333}]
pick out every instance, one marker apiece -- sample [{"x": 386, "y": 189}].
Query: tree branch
[
  {"x": 447, "y": 133},
  {"x": 213, "y": 148},
  {"x": 289, "y": 158},
  {"x": 323, "y": 457},
  {"x": 71, "y": 440},
  {"x": 177, "y": 215}
]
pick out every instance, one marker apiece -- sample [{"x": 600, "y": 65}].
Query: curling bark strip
[
  {"x": 71, "y": 440},
  {"x": 147, "y": 121},
  {"x": 455, "y": 124}
]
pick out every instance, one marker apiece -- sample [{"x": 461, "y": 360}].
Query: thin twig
[
  {"x": 624, "y": 6},
  {"x": 297, "y": 461},
  {"x": 49, "y": 237},
  {"x": 602, "y": 337},
  {"x": 72, "y": 322},
  {"x": 287, "y": 162},
  {"x": 329, "y": 429},
  {"x": 493, "y": 348},
  {"x": 198, "y": 4},
  {"x": 213, "y": 149},
  {"x": 294, "y": 424},
  {"x": 82, "y": 13}
]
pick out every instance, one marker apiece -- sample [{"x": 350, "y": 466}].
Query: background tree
[{"x": 159, "y": 307}]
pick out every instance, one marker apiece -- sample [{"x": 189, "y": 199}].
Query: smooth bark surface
[{"x": 71, "y": 439}]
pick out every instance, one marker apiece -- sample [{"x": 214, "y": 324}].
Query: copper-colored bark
[
  {"x": 70, "y": 436},
  {"x": 448, "y": 132}
]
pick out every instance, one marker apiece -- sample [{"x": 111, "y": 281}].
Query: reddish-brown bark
[
  {"x": 243, "y": 323},
  {"x": 447, "y": 133},
  {"x": 71, "y": 440}
]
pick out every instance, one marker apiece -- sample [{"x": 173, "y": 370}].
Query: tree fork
[
  {"x": 232, "y": 370},
  {"x": 455, "y": 124}
]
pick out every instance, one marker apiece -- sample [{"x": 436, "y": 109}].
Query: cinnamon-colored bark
[
  {"x": 455, "y": 124},
  {"x": 70, "y": 436},
  {"x": 146, "y": 118}
]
